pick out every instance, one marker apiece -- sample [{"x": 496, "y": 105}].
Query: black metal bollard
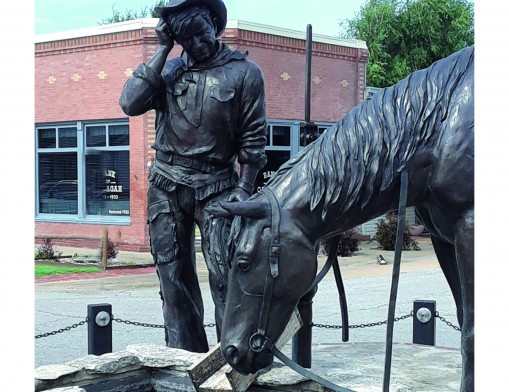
[
  {"x": 99, "y": 329},
  {"x": 301, "y": 341},
  {"x": 424, "y": 322}
]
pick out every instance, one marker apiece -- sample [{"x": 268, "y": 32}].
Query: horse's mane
[{"x": 380, "y": 134}]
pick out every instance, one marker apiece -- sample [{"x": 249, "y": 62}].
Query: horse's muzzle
[
  {"x": 232, "y": 355},
  {"x": 247, "y": 361}
]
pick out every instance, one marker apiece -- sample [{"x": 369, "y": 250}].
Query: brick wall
[
  {"x": 337, "y": 74},
  {"x": 81, "y": 79}
]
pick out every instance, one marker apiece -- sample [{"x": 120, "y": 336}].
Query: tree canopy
[
  {"x": 130, "y": 14},
  {"x": 405, "y": 36}
]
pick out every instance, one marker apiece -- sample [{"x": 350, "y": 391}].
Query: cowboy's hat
[{"x": 217, "y": 7}]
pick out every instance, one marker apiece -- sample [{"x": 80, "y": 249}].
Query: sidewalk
[
  {"x": 134, "y": 296},
  {"x": 362, "y": 263}
]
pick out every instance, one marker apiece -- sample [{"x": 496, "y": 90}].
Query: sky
[{"x": 324, "y": 15}]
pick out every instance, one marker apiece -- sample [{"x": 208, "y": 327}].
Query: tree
[
  {"x": 405, "y": 36},
  {"x": 130, "y": 14}
]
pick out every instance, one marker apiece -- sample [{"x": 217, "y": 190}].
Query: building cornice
[
  {"x": 296, "y": 34},
  {"x": 237, "y": 32}
]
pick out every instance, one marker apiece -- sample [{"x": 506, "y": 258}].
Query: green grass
[{"x": 45, "y": 270}]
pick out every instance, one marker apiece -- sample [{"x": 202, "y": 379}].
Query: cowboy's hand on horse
[
  {"x": 238, "y": 194},
  {"x": 164, "y": 34}
]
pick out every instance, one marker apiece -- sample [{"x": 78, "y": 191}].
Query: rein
[
  {"x": 259, "y": 340},
  {"x": 395, "y": 278}
]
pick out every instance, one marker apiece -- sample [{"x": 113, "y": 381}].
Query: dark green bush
[
  {"x": 111, "y": 252},
  {"x": 348, "y": 243},
  {"x": 386, "y": 235},
  {"x": 46, "y": 251}
]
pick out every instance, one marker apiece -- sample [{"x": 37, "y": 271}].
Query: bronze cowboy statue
[{"x": 210, "y": 142}]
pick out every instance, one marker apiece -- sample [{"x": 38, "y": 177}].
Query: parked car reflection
[{"x": 61, "y": 197}]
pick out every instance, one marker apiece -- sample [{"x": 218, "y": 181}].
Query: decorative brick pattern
[
  {"x": 51, "y": 80},
  {"x": 76, "y": 77},
  {"x": 285, "y": 76}
]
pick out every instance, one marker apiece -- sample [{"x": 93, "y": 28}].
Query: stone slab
[
  {"x": 357, "y": 366},
  {"x": 360, "y": 367}
]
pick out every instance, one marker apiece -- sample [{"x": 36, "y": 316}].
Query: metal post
[
  {"x": 301, "y": 341},
  {"x": 308, "y": 129},
  {"x": 309, "y": 53},
  {"x": 424, "y": 323},
  {"x": 105, "y": 248},
  {"x": 99, "y": 329}
]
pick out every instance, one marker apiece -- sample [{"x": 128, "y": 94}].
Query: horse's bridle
[{"x": 259, "y": 340}]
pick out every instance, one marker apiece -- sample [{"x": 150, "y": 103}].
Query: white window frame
[{"x": 81, "y": 150}]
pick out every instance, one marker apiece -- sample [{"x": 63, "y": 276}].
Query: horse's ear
[{"x": 247, "y": 209}]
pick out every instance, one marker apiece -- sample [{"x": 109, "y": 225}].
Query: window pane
[
  {"x": 47, "y": 138},
  {"x": 58, "y": 185},
  {"x": 280, "y": 135},
  {"x": 322, "y": 129},
  {"x": 96, "y": 136},
  {"x": 107, "y": 191},
  {"x": 67, "y": 137},
  {"x": 119, "y": 135},
  {"x": 274, "y": 160}
]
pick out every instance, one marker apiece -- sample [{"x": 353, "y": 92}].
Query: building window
[
  {"x": 278, "y": 150},
  {"x": 282, "y": 143},
  {"x": 83, "y": 172}
]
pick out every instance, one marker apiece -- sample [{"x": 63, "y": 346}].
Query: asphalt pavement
[{"x": 61, "y": 303}]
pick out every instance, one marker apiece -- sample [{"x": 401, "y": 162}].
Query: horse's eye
[{"x": 243, "y": 265}]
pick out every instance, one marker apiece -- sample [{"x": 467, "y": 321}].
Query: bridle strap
[
  {"x": 275, "y": 245},
  {"x": 259, "y": 339}
]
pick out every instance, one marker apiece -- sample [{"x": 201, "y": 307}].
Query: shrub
[
  {"x": 386, "y": 234},
  {"x": 112, "y": 251},
  {"x": 348, "y": 243},
  {"x": 46, "y": 250}
]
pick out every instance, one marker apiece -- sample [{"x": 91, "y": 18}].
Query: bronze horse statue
[{"x": 425, "y": 125}]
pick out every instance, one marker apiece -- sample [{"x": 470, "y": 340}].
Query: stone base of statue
[{"x": 357, "y": 366}]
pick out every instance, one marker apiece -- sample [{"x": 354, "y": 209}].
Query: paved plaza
[{"x": 134, "y": 296}]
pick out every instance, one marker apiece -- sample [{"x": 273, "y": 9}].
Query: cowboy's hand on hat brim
[{"x": 164, "y": 34}]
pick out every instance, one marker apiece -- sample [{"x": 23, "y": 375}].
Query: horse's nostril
[{"x": 232, "y": 355}]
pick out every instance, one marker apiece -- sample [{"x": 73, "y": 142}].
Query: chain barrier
[
  {"x": 437, "y": 315},
  {"x": 44, "y": 335},
  {"x": 361, "y": 325},
  {"x": 211, "y": 325},
  {"x": 118, "y": 320},
  {"x": 136, "y": 323}
]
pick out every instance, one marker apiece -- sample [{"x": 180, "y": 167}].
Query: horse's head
[{"x": 272, "y": 266}]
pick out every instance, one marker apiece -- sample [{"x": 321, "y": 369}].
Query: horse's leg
[
  {"x": 464, "y": 244},
  {"x": 446, "y": 255}
]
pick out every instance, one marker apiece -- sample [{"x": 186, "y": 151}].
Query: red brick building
[{"x": 92, "y": 160}]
